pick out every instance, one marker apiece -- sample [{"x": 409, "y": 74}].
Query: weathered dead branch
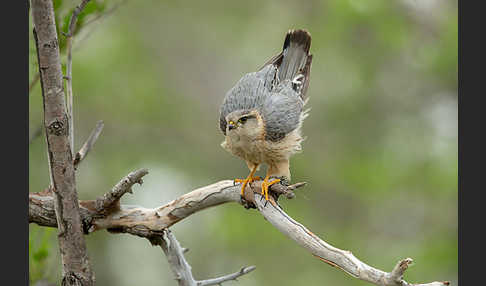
[
  {"x": 181, "y": 268},
  {"x": 111, "y": 200},
  {"x": 69, "y": 68},
  {"x": 151, "y": 223},
  {"x": 229, "y": 277},
  {"x": 88, "y": 145}
]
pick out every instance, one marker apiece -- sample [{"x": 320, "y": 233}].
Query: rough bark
[
  {"x": 151, "y": 223},
  {"x": 76, "y": 269}
]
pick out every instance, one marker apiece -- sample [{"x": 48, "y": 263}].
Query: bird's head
[{"x": 244, "y": 123}]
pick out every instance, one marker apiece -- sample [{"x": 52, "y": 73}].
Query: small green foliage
[
  {"x": 40, "y": 254},
  {"x": 64, "y": 14},
  {"x": 40, "y": 243}
]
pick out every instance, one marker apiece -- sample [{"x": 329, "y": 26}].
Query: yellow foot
[
  {"x": 266, "y": 184},
  {"x": 245, "y": 182}
]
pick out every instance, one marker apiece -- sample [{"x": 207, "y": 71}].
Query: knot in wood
[
  {"x": 57, "y": 128},
  {"x": 71, "y": 279},
  {"x": 51, "y": 44}
]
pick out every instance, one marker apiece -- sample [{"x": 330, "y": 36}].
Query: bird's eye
[{"x": 243, "y": 119}]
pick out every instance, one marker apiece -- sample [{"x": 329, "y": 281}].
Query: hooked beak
[{"x": 231, "y": 125}]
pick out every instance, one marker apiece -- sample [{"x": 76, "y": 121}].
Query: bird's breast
[
  {"x": 258, "y": 150},
  {"x": 248, "y": 149}
]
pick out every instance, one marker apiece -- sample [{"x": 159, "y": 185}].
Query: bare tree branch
[
  {"x": 88, "y": 145},
  {"x": 74, "y": 18},
  {"x": 150, "y": 223},
  {"x": 69, "y": 68},
  {"x": 342, "y": 259},
  {"x": 229, "y": 277},
  {"x": 181, "y": 268},
  {"x": 111, "y": 199},
  {"x": 75, "y": 263},
  {"x": 175, "y": 257}
]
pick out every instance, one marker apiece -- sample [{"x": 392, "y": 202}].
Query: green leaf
[{"x": 41, "y": 254}]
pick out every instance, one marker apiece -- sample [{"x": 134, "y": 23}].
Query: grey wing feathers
[{"x": 281, "y": 113}]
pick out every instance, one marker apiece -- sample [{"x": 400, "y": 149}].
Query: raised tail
[{"x": 294, "y": 62}]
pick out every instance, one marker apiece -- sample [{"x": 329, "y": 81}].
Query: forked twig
[
  {"x": 88, "y": 145},
  {"x": 181, "y": 268}
]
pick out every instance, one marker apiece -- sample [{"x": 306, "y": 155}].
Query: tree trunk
[{"x": 76, "y": 269}]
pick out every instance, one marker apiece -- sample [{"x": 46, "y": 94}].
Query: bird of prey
[{"x": 261, "y": 116}]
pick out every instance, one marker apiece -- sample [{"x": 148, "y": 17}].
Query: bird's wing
[{"x": 281, "y": 112}]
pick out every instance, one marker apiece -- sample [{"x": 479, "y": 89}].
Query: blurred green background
[{"x": 380, "y": 155}]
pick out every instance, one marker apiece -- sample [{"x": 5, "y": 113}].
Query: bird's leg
[
  {"x": 266, "y": 184},
  {"x": 248, "y": 179}
]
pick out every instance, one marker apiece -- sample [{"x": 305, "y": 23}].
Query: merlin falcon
[{"x": 261, "y": 116}]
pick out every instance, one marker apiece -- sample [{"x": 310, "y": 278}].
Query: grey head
[
  {"x": 274, "y": 94},
  {"x": 246, "y": 125}
]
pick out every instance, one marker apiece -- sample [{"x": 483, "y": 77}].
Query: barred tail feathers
[{"x": 296, "y": 61}]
